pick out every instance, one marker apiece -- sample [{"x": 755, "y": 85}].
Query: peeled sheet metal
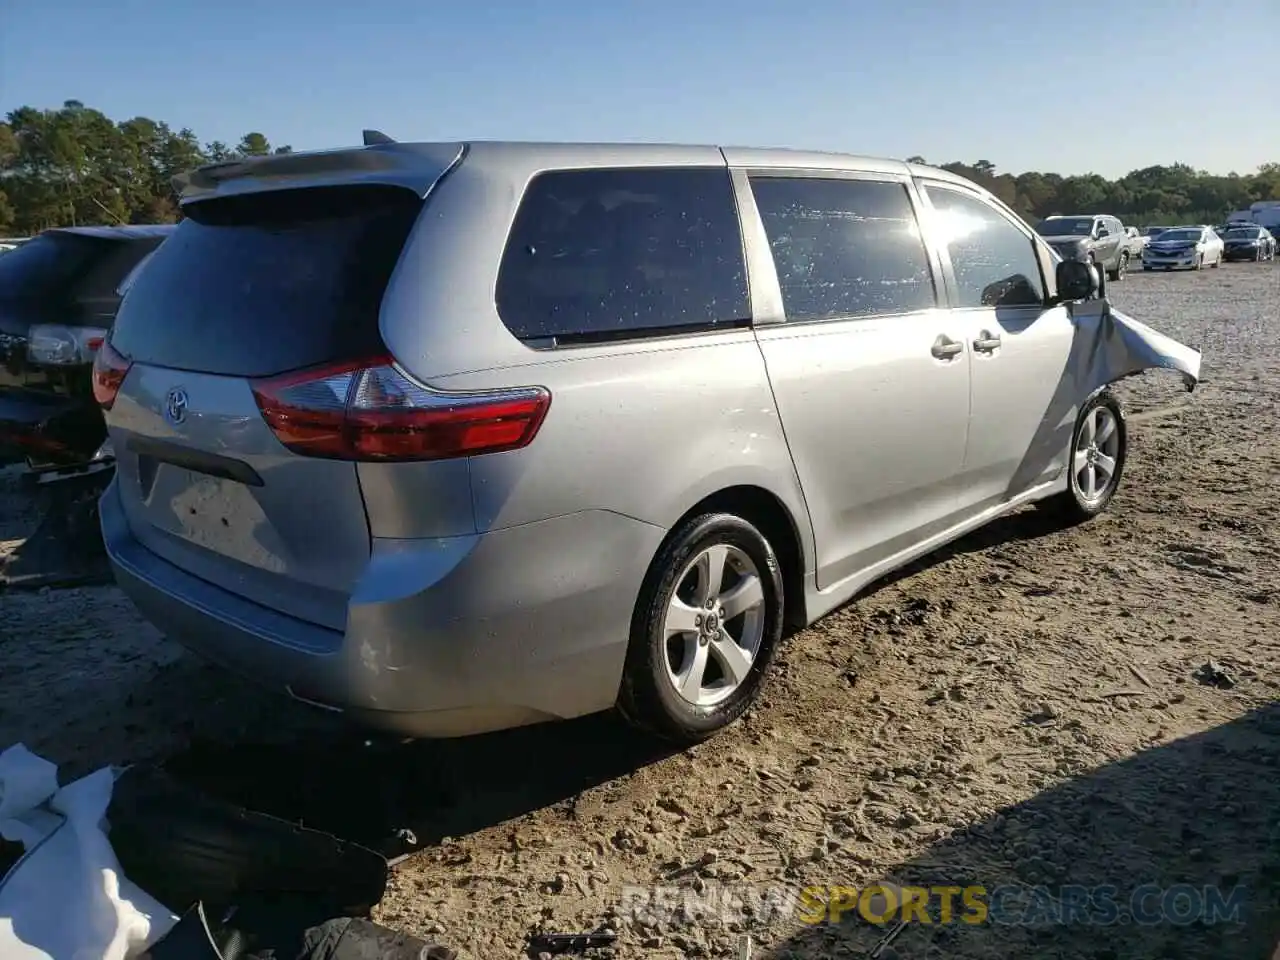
[{"x": 1115, "y": 345}]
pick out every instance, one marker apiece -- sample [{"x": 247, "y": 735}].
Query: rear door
[
  {"x": 871, "y": 378},
  {"x": 1024, "y": 392},
  {"x": 248, "y": 287}
]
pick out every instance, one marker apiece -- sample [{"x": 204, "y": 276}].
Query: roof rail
[{"x": 376, "y": 138}]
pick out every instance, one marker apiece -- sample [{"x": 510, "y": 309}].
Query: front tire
[
  {"x": 705, "y": 630},
  {"x": 1099, "y": 448},
  {"x": 1199, "y": 264},
  {"x": 1218, "y": 262}
]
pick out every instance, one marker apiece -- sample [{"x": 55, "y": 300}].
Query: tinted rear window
[
  {"x": 616, "y": 253},
  {"x": 48, "y": 263},
  {"x": 263, "y": 283}
]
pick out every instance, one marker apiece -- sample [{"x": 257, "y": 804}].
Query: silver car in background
[
  {"x": 456, "y": 437},
  {"x": 1184, "y": 248}
]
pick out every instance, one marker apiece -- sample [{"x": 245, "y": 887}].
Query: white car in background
[{"x": 1182, "y": 248}]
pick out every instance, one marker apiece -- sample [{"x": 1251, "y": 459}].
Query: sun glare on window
[{"x": 954, "y": 225}]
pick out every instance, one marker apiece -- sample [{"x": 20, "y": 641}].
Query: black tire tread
[{"x": 639, "y": 701}]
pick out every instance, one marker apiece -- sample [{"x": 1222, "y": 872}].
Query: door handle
[
  {"x": 986, "y": 342},
  {"x": 944, "y": 347}
]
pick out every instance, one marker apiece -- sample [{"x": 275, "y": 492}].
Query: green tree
[
  {"x": 75, "y": 165},
  {"x": 217, "y": 152},
  {"x": 254, "y": 145}
]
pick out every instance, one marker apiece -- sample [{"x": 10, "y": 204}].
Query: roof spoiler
[{"x": 380, "y": 161}]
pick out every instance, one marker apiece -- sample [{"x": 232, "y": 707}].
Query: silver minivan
[{"x": 457, "y": 437}]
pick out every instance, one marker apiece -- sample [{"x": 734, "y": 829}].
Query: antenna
[{"x": 376, "y": 138}]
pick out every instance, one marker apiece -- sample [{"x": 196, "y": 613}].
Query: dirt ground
[{"x": 1031, "y": 707}]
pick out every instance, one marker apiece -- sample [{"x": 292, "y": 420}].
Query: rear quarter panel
[{"x": 645, "y": 429}]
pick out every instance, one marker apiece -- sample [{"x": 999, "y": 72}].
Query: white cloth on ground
[{"x": 66, "y": 899}]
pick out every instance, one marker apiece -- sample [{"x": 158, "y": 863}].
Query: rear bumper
[
  {"x": 445, "y": 637},
  {"x": 50, "y": 428}
]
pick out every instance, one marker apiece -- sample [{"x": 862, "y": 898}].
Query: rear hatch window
[
  {"x": 47, "y": 264},
  {"x": 264, "y": 283}
]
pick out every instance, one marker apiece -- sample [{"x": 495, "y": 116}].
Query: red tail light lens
[
  {"x": 109, "y": 369},
  {"x": 372, "y": 411}
]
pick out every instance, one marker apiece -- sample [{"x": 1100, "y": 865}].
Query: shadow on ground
[
  {"x": 401, "y": 797},
  {"x": 64, "y": 547},
  {"x": 398, "y": 797},
  {"x": 1159, "y": 828},
  {"x": 1024, "y": 526}
]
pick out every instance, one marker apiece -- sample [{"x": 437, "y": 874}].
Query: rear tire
[
  {"x": 1099, "y": 443},
  {"x": 1122, "y": 266},
  {"x": 735, "y": 622}
]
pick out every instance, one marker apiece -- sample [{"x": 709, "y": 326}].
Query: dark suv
[
  {"x": 1097, "y": 238},
  {"x": 59, "y": 293}
]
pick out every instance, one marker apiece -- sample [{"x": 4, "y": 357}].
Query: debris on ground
[
  {"x": 103, "y": 856},
  {"x": 561, "y": 943},
  {"x": 1211, "y": 674}
]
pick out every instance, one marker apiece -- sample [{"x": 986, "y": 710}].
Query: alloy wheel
[
  {"x": 1096, "y": 454},
  {"x": 714, "y": 625}
]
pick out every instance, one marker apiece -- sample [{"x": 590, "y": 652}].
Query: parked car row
[
  {"x": 1099, "y": 239},
  {"x": 1102, "y": 240},
  {"x": 1196, "y": 246}
]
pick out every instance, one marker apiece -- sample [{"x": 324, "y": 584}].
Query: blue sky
[{"x": 1027, "y": 84}]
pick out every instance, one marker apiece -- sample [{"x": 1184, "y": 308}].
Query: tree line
[{"x": 76, "y": 166}]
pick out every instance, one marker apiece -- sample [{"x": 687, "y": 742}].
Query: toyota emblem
[{"x": 175, "y": 405}]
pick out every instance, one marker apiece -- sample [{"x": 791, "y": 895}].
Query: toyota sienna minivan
[{"x": 457, "y": 437}]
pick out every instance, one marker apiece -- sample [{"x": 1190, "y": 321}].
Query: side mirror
[{"x": 1077, "y": 280}]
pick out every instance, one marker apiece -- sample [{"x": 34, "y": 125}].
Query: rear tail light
[
  {"x": 109, "y": 370},
  {"x": 373, "y": 411},
  {"x": 58, "y": 344}
]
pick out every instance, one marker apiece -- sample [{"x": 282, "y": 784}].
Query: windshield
[
  {"x": 1187, "y": 235},
  {"x": 1247, "y": 233},
  {"x": 49, "y": 261},
  {"x": 1065, "y": 227},
  {"x": 1155, "y": 231}
]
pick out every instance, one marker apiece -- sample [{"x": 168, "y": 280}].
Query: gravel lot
[{"x": 1027, "y": 708}]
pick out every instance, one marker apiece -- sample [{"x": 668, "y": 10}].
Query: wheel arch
[{"x": 766, "y": 511}]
